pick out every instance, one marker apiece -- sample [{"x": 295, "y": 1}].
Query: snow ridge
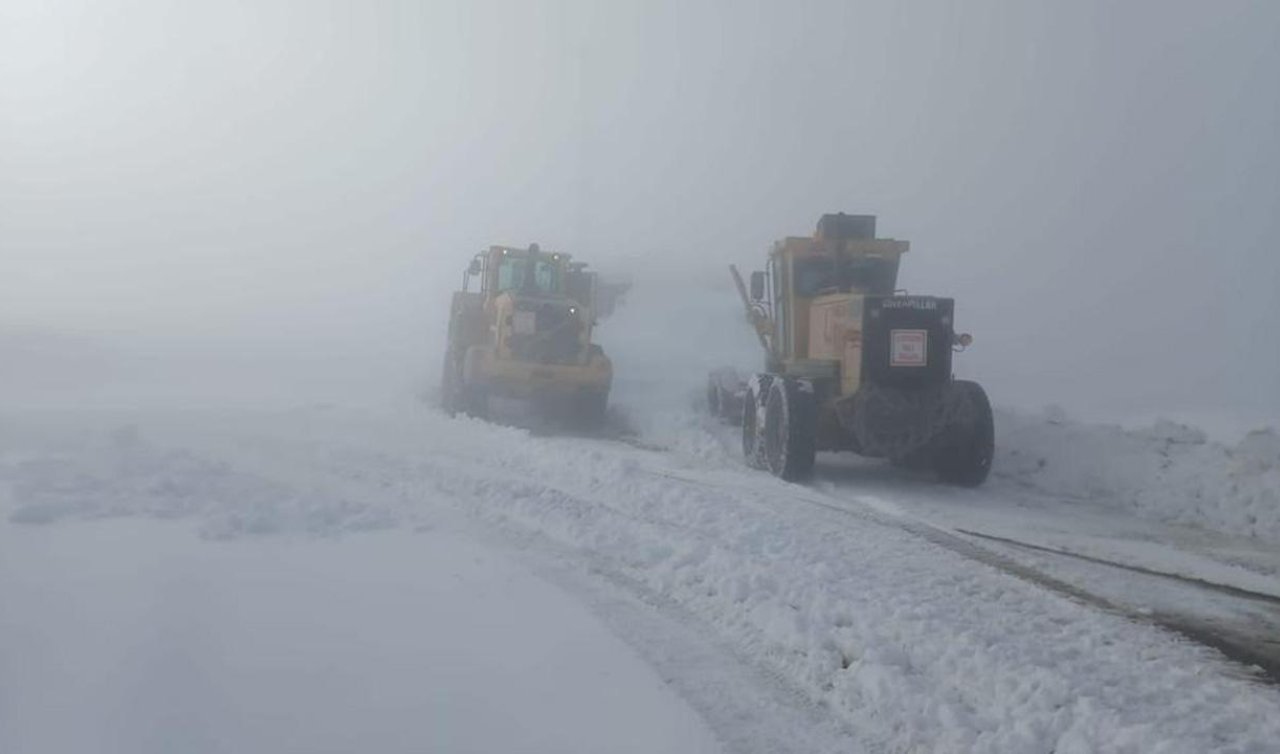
[{"x": 1168, "y": 472}]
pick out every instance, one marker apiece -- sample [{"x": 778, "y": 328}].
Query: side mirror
[
  {"x": 474, "y": 267},
  {"x": 757, "y": 286}
]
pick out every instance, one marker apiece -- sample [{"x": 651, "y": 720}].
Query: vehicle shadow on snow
[
  {"x": 845, "y": 467},
  {"x": 851, "y": 473},
  {"x": 616, "y": 425}
]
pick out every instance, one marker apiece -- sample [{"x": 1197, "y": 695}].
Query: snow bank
[
  {"x": 912, "y": 647},
  {"x": 122, "y": 473},
  {"x": 1167, "y": 471}
]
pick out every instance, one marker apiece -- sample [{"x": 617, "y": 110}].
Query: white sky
[{"x": 1097, "y": 183}]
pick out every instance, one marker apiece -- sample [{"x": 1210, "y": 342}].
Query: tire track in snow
[
  {"x": 1258, "y": 656},
  {"x": 1250, "y": 645},
  {"x": 1228, "y": 589}
]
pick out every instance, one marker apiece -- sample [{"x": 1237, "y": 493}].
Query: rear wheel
[
  {"x": 713, "y": 395},
  {"x": 724, "y": 397},
  {"x": 790, "y": 429},
  {"x": 968, "y": 445},
  {"x": 752, "y": 412}
]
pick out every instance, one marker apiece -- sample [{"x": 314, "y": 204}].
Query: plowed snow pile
[{"x": 1168, "y": 471}]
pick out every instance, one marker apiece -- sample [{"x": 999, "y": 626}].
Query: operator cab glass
[
  {"x": 513, "y": 269},
  {"x": 819, "y": 275}
]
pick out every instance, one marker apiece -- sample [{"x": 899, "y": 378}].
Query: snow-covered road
[
  {"x": 789, "y": 618},
  {"x": 133, "y": 636},
  {"x": 430, "y": 636}
]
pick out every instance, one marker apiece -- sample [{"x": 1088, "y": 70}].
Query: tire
[
  {"x": 456, "y": 396},
  {"x": 450, "y": 397},
  {"x": 474, "y": 402},
  {"x": 589, "y": 409},
  {"x": 916, "y": 460},
  {"x": 964, "y": 456},
  {"x": 790, "y": 429},
  {"x": 752, "y": 412},
  {"x": 473, "y": 397},
  {"x": 730, "y": 408},
  {"x": 714, "y": 404},
  {"x": 722, "y": 395}
]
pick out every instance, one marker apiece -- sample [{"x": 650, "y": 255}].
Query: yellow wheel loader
[
  {"x": 526, "y": 334},
  {"x": 852, "y": 363}
]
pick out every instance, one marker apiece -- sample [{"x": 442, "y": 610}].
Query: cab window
[{"x": 512, "y": 272}]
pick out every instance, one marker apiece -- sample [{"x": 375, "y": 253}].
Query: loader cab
[
  {"x": 524, "y": 272},
  {"x": 536, "y": 277}
]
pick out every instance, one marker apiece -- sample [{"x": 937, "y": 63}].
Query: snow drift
[{"x": 1167, "y": 471}]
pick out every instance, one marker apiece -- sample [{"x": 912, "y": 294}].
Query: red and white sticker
[{"x": 908, "y": 348}]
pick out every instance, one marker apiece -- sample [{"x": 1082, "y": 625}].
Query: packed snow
[{"x": 839, "y": 615}]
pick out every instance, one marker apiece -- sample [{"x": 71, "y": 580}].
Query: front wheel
[
  {"x": 964, "y": 457},
  {"x": 450, "y": 386},
  {"x": 790, "y": 429}
]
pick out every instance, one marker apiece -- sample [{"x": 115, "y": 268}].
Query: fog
[{"x": 210, "y": 202}]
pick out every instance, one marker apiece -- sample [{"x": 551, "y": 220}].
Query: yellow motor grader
[
  {"x": 851, "y": 363},
  {"x": 526, "y": 334}
]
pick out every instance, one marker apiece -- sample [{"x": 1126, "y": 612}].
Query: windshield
[
  {"x": 513, "y": 271},
  {"x": 816, "y": 276}
]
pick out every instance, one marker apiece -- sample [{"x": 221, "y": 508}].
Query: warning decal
[{"x": 908, "y": 348}]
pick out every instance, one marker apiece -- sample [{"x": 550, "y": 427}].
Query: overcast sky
[{"x": 1097, "y": 183}]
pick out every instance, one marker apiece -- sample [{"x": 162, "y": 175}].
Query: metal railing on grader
[{"x": 852, "y": 363}]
